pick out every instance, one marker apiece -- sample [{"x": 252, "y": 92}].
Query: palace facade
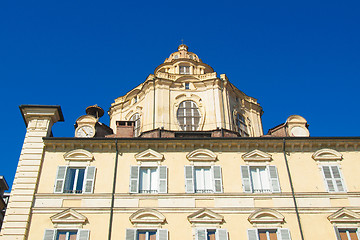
[{"x": 184, "y": 157}]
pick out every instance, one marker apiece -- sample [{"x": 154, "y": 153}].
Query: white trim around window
[
  {"x": 53, "y": 234},
  {"x": 281, "y": 233}
]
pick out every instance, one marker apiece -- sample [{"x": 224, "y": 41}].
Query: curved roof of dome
[{"x": 183, "y": 53}]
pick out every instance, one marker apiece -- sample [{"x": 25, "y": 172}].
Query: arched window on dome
[
  {"x": 136, "y": 119},
  {"x": 241, "y": 125},
  {"x": 188, "y": 116}
]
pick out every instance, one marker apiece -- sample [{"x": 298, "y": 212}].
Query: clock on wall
[{"x": 86, "y": 131}]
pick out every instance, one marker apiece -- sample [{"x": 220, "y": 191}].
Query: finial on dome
[
  {"x": 182, "y": 47},
  {"x": 95, "y": 111}
]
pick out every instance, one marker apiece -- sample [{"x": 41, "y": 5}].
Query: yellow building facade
[{"x": 184, "y": 157}]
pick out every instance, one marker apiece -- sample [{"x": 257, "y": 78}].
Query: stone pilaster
[{"x": 39, "y": 120}]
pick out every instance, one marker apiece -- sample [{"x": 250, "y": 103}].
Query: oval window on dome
[{"x": 188, "y": 116}]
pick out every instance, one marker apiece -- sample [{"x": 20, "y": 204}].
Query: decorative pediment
[
  {"x": 68, "y": 218},
  {"x": 148, "y": 217},
  {"x": 201, "y": 155},
  {"x": 257, "y": 155},
  {"x": 327, "y": 154},
  {"x": 78, "y": 155},
  {"x": 205, "y": 216},
  {"x": 149, "y": 155},
  {"x": 266, "y": 217},
  {"x": 344, "y": 216}
]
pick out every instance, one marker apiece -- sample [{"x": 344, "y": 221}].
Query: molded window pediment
[
  {"x": 68, "y": 218},
  {"x": 78, "y": 155},
  {"x": 201, "y": 155},
  {"x": 327, "y": 154},
  {"x": 149, "y": 217},
  {"x": 149, "y": 155},
  {"x": 266, "y": 217},
  {"x": 257, "y": 155},
  {"x": 205, "y": 216},
  {"x": 344, "y": 216}
]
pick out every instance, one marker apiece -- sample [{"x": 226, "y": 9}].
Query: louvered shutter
[
  {"x": 162, "y": 234},
  {"x": 134, "y": 179},
  {"x": 328, "y": 178},
  {"x": 60, "y": 179},
  {"x": 337, "y": 233},
  {"x": 189, "y": 179},
  {"x": 274, "y": 179},
  {"x": 339, "y": 183},
  {"x": 162, "y": 170},
  {"x": 283, "y": 234},
  {"x": 221, "y": 234},
  {"x": 253, "y": 234},
  {"x": 49, "y": 234},
  {"x": 217, "y": 179},
  {"x": 83, "y": 234},
  {"x": 89, "y": 180},
  {"x": 200, "y": 234},
  {"x": 130, "y": 234},
  {"x": 245, "y": 176}
]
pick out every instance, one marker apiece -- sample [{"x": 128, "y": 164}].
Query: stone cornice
[{"x": 293, "y": 144}]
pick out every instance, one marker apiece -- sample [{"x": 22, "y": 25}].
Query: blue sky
[{"x": 295, "y": 57}]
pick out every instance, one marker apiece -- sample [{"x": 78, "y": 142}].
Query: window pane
[
  {"x": 152, "y": 235},
  {"x": 80, "y": 180},
  {"x": 210, "y": 235},
  {"x": 69, "y": 181},
  {"x": 144, "y": 180},
  {"x": 142, "y": 236}
]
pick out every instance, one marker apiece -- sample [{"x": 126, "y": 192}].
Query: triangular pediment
[
  {"x": 78, "y": 155},
  {"x": 266, "y": 216},
  {"x": 201, "y": 155},
  {"x": 344, "y": 215},
  {"x": 205, "y": 216},
  {"x": 147, "y": 216},
  {"x": 327, "y": 154},
  {"x": 149, "y": 155},
  {"x": 257, "y": 155},
  {"x": 68, "y": 216}
]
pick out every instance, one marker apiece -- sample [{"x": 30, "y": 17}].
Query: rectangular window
[
  {"x": 269, "y": 234},
  {"x": 211, "y": 234},
  {"x": 203, "y": 179},
  {"x": 333, "y": 179},
  {"x": 187, "y": 85},
  {"x": 184, "y": 69},
  {"x": 347, "y": 233},
  {"x": 146, "y": 234},
  {"x": 74, "y": 180},
  {"x": 74, "y": 234},
  {"x": 260, "y": 179},
  {"x": 148, "y": 179}
]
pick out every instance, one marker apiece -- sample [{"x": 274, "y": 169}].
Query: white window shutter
[
  {"x": 88, "y": 185},
  {"x": 189, "y": 179},
  {"x": 253, "y": 234},
  {"x": 200, "y": 234},
  {"x": 274, "y": 179},
  {"x": 339, "y": 182},
  {"x": 221, "y": 234},
  {"x": 217, "y": 179},
  {"x": 60, "y": 179},
  {"x": 245, "y": 176},
  {"x": 329, "y": 183},
  {"x": 134, "y": 179},
  {"x": 162, "y": 234},
  {"x": 130, "y": 234},
  {"x": 283, "y": 234},
  {"x": 83, "y": 234},
  {"x": 162, "y": 170},
  {"x": 49, "y": 234}
]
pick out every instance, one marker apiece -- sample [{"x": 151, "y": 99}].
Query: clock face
[
  {"x": 85, "y": 131},
  {"x": 299, "y": 132}
]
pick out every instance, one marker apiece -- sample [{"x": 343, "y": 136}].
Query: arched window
[
  {"x": 136, "y": 119},
  {"x": 188, "y": 116},
  {"x": 241, "y": 125}
]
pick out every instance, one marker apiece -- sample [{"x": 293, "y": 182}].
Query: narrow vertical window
[
  {"x": 241, "y": 125},
  {"x": 74, "y": 180},
  {"x": 333, "y": 179},
  {"x": 187, "y": 85},
  {"x": 136, "y": 119}
]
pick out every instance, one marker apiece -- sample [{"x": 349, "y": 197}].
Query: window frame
[
  {"x": 333, "y": 179},
  {"x": 195, "y": 120},
  {"x": 216, "y": 230},
  {"x": 280, "y": 232},
  {"x": 337, "y": 232},
  {"x": 87, "y": 184},
  {"x": 215, "y": 174},
  {"x": 273, "y": 177},
  {"x": 184, "y": 69},
  {"x": 162, "y": 176},
  {"x": 52, "y": 234},
  {"x": 136, "y": 118}
]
